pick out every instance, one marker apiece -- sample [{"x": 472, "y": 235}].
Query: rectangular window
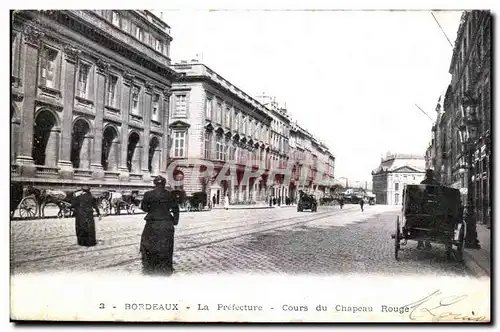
[
  {"x": 396, "y": 186},
  {"x": 179, "y": 144},
  {"x": 158, "y": 45},
  {"x": 112, "y": 85},
  {"x": 138, "y": 33},
  {"x": 208, "y": 138},
  {"x": 228, "y": 117},
  {"x": 244, "y": 124},
  {"x": 218, "y": 118},
  {"x": 218, "y": 148},
  {"x": 115, "y": 19},
  {"x": 83, "y": 80},
  {"x": 180, "y": 105},
  {"x": 135, "y": 99},
  {"x": 155, "y": 108},
  {"x": 208, "y": 109},
  {"x": 48, "y": 67},
  {"x": 236, "y": 121}
]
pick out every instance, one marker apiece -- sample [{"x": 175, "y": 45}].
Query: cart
[{"x": 431, "y": 213}]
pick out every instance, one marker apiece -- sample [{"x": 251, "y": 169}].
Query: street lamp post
[{"x": 468, "y": 128}]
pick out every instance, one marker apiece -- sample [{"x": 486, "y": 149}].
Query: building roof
[{"x": 415, "y": 164}]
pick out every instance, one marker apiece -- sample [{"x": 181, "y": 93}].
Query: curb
[
  {"x": 474, "y": 266},
  {"x": 253, "y": 208}
]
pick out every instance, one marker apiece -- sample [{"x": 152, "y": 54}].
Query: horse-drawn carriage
[
  {"x": 431, "y": 213},
  {"x": 112, "y": 200},
  {"x": 198, "y": 201},
  {"x": 31, "y": 202}
]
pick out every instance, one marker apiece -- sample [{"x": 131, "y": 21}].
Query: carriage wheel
[
  {"x": 130, "y": 208},
  {"x": 105, "y": 207},
  {"x": 396, "y": 239},
  {"x": 188, "y": 206},
  {"x": 200, "y": 207},
  {"x": 461, "y": 242},
  {"x": 28, "y": 207}
]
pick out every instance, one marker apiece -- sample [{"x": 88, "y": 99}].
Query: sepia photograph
[{"x": 251, "y": 165}]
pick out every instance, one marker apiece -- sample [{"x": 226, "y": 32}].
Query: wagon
[
  {"x": 431, "y": 213},
  {"x": 23, "y": 200},
  {"x": 307, "y": 202}
]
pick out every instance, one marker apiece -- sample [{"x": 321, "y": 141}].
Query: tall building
[
  {"x": 213, "y": 120},
  {"x": 393, "y": 173},
  {"x": 470, "y": 70},
  {"x": 90, "y": 97}
]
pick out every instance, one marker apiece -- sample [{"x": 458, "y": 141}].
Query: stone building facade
[
  {"x": 212, "y": 120},
  {"x": 90, "y": 98},
  {"x": 470, "y": 70},
  {"x": 393, "y": 173}
]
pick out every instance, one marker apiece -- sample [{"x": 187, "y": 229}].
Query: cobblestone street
[{"x": 279, "y": 240}]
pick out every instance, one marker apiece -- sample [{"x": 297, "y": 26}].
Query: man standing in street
[
  {"x": 361, "y": 203},
  {"x": 84, "y": 205},
  {"x": 157, "y": 240},
  {"x": 429, "y": 179}
]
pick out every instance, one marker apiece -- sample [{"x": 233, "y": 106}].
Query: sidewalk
[{"x": 479, "y": 260}]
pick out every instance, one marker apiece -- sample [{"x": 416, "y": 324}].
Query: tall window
[
  {"x": 179, "y": 144},
  {"x": 208, "y": 109},
  {"x": 180, "y": 105},
  {"x": 218, "y": 147},
  {"x": 155, "y": 108},
  {"x": 135, "y": 99},
  {"x": 208, "y": 138},
  {"x": 396, "y": 186},
  {"x": 83, "y": 80},
  {"x": 158, "y": 45},
  {"x": 236, "y": 121},
  {"x": 250, "y": 127},
  {"x": 112, "y": 84},
  {"x": 396, "y": 198},
  {"x": 115, "y": 19},
  {"x": 218, "y": 117},
  {"x": 125, "y": 25},
  {"x": 48, "y": 67},
  {"x": 227, "y": 121},
  {"x": 138, "y": 33},
  {"x": 244, "y": 124}
]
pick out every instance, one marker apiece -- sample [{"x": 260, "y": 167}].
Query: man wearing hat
[
  {"x": 84, "y": 205},
  {"x": 157, "y": 240}
]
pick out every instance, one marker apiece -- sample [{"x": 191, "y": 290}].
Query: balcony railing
[
  {"x": 111, "y": 174},
  {"x": 46, "y": 170},
  {"x": 82, "y": 172}
]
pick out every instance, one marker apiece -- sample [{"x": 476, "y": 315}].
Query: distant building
[{"x": 394, "y": 172}]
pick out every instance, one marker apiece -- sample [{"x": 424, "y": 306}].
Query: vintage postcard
[{"x": 251, "y": 165}]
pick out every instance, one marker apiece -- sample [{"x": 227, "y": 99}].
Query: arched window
[{"x": 45, "y": 139}]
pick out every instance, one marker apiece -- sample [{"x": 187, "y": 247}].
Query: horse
[{"x": 114, "y": 199}]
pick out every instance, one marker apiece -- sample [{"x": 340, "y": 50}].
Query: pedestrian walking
[
  {"x": 226, "y": 202},
  {"x": 214, "y": 200},
  {"x": 428, "y": 179},
  {"x": 84, "y": 206},
  {"x": 341, "y": 203},
  {"x": 157, "y": 240},
  {"x": 361, "y": 204}
]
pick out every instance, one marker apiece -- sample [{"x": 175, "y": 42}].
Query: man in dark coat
[
  {"x": 157, "y": 240},
  {"x": 429, "y": 179},
  {"x": 361, "y": 203},
  {"x": 84, "y": 205}
]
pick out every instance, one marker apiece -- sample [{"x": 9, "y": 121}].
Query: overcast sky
[{"x": 350, "y": 77}]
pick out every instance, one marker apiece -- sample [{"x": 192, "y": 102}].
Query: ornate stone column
[
  {"x": 166, "y": 131},
  {"x": 126, "y": 100},
  {"x": 14, "y": 140},
  {"x": 52, "y": 148},
  {"x": 136, "y": 159},
  {"x": 102, "y": 72},
  {"x": 114, "y": 149},
  {"x": 146, "y": 113},
  {"x": 155, "y": 162},
  {"x": 85, "y": 152},
  {"x": 71, "y": 54},
  {"x": 32, "y": 37}
]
